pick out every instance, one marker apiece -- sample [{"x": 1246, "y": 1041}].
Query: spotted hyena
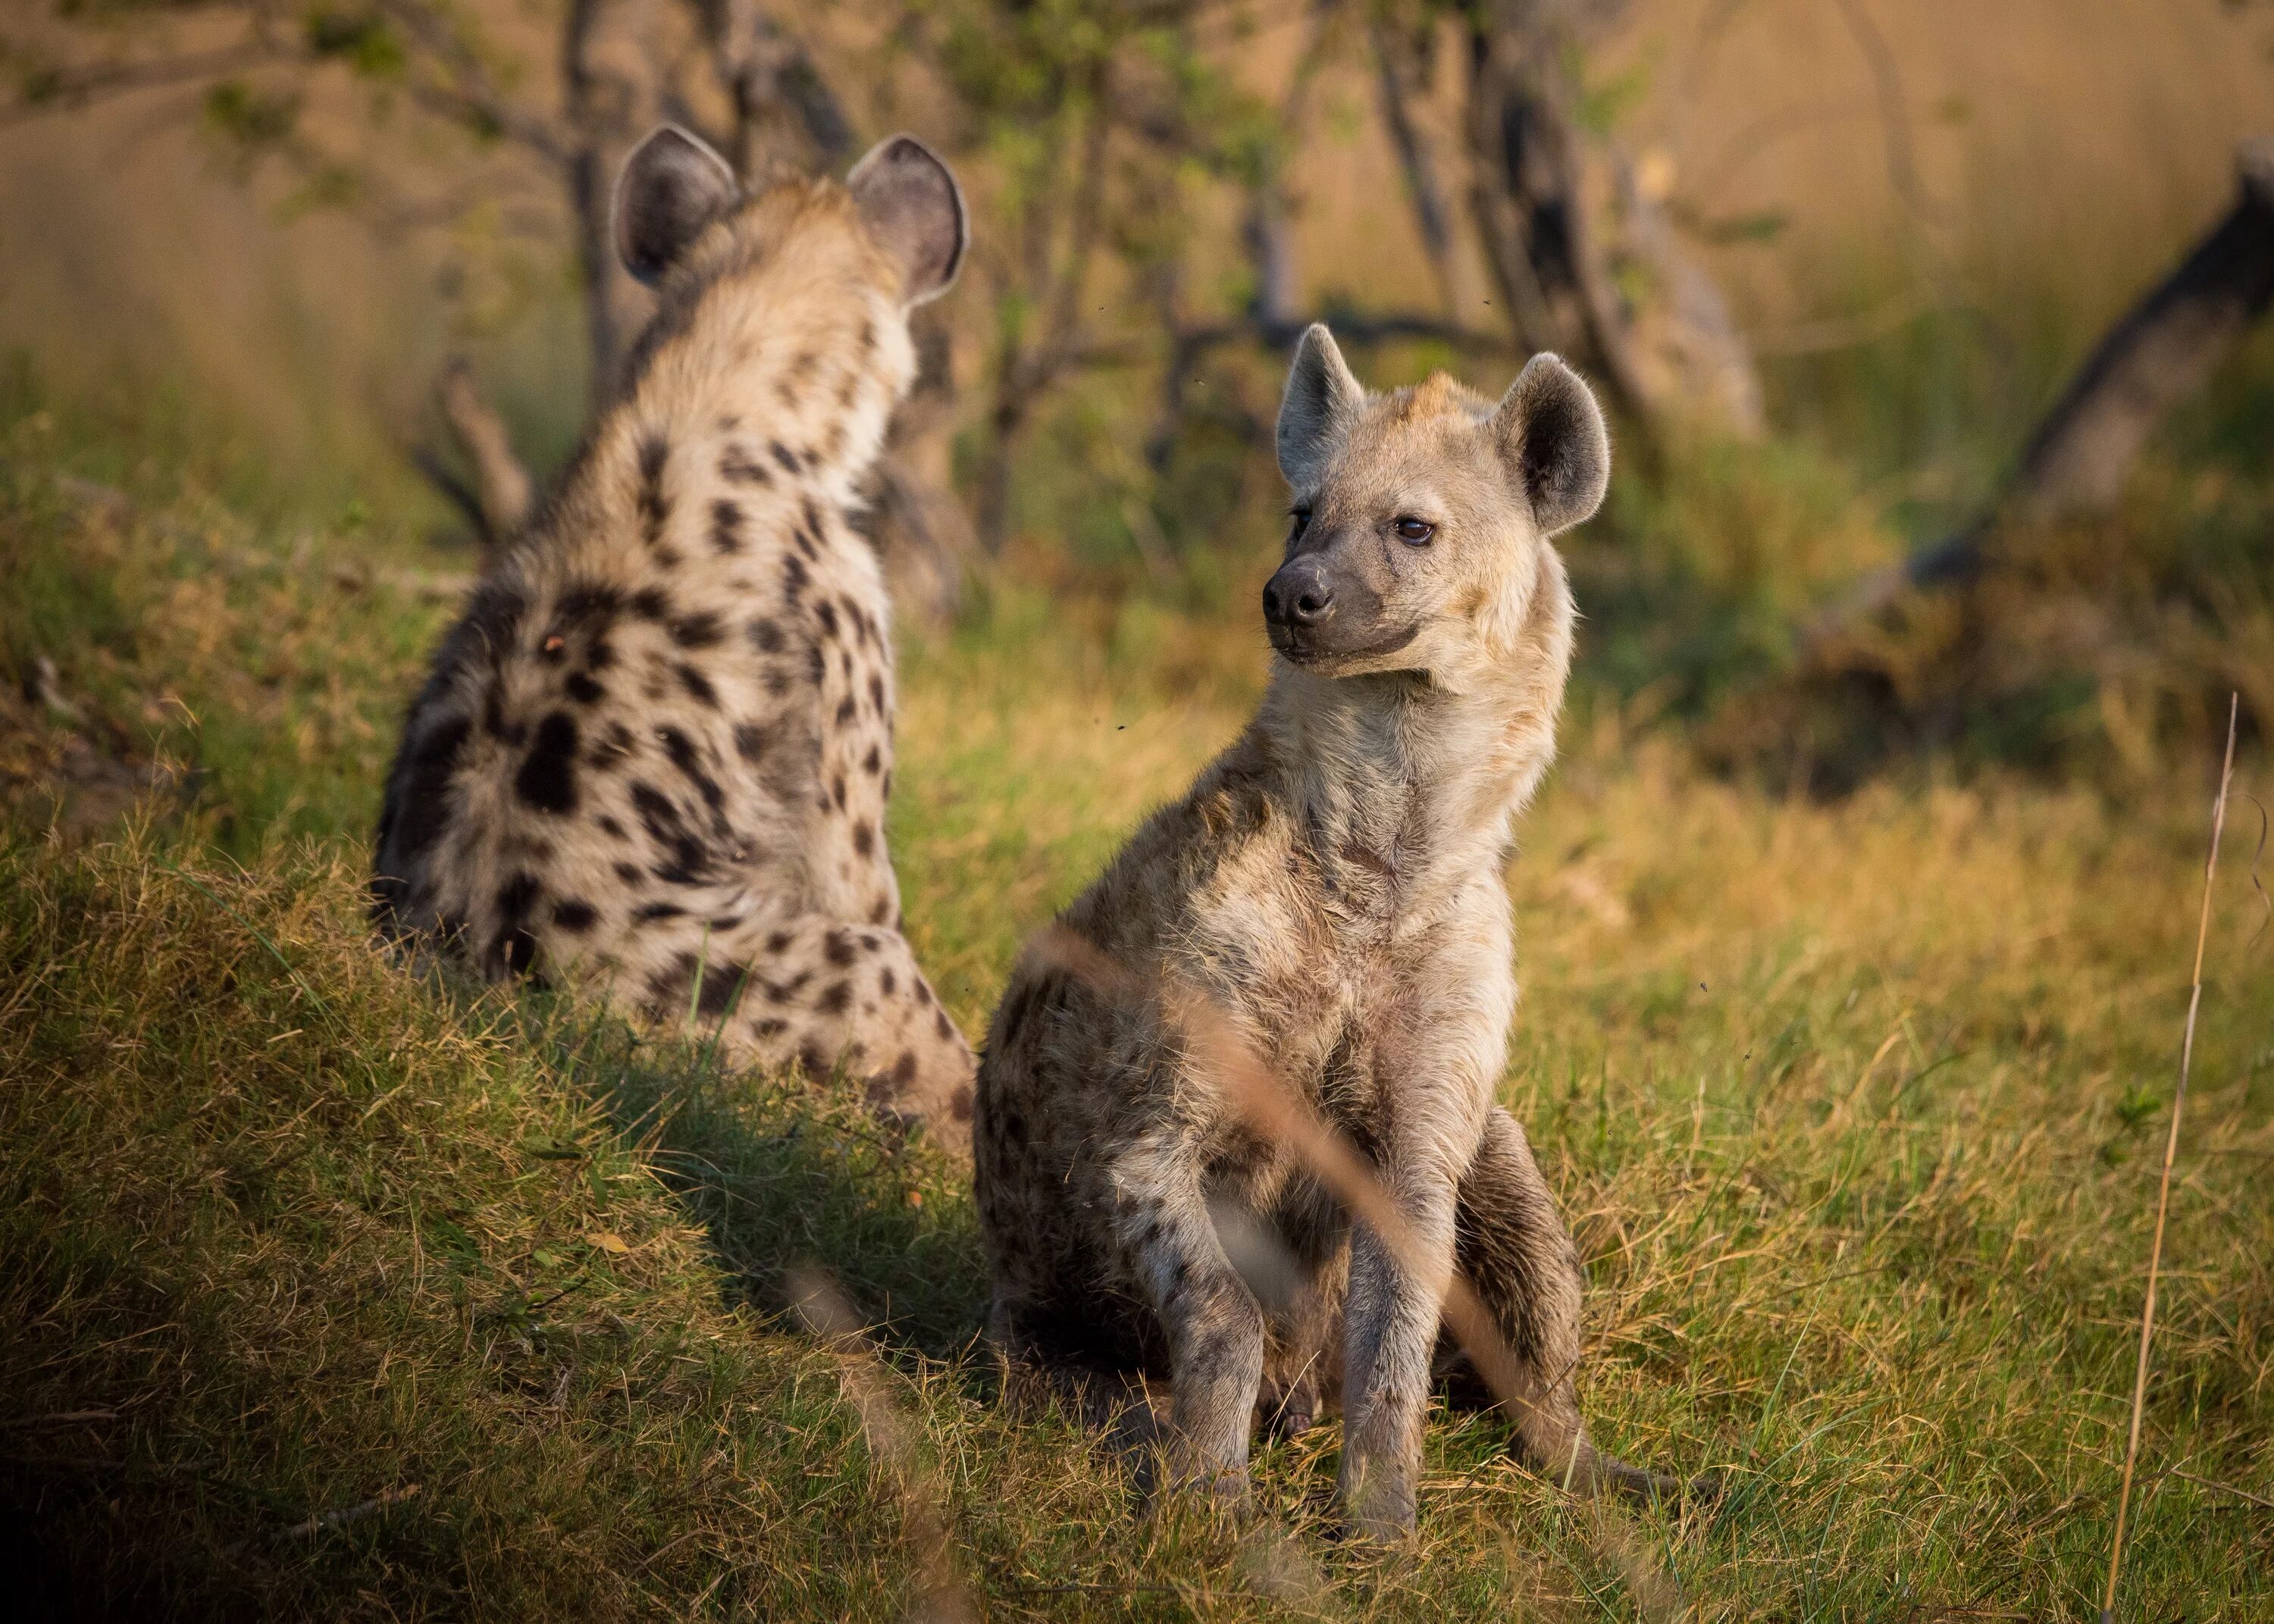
[
  {"x": 1331, "y": 894},
  {"x": 653, "y": 756}
]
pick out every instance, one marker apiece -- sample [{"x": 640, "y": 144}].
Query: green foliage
[{"x": 361, "y": 39}]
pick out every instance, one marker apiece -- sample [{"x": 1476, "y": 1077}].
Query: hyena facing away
[
  {"x": 653, "y": 756},
  {"x": 1331, "y": 891}
]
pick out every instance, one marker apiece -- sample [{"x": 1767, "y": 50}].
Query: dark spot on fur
[
  {"x": 575, "y": 915},
  {"x": 825, "y": 612},
  {"x": 834, "y": 998},
  {"x": 847, "y": 710},
  {"x": 873, "y": 762},
  {"x": 698, "y": 685},
  {"x": 837, "y": 791},
  {"x": 887, "y": 983},
  {"x": 610, "y": 826},
  {"x": 583, "y": 690},
  {"x": 630, "y": 875},
  {"x": 795, "y": 577},
  {"x": 737, "y": 466},
  {"x": 817, "y": 664},
  {"x": 880, "y": 912},
  {"x": 767, "y": 637},
  {"x": 876, "y": 691},
  {"x": 726, "y": 527},
  {"x": 864, "y": 838},
  {"x": 495, "y": 723},
  {"x": 959, "y": 1103},
  {"x": 422, "y": 806},
  {"x": 837, "y": 947},
  {"x": 939, "y": 1019},
  {"x": 697, "y": 631},
  {"x": 722, "y": 990},
  {"x": 778, "y": 942},
  {"x": 647, "y": 912},
  {"x": 783, "y": 456},
  {"x": 547, "y": 778},
  {"x": 769, "y": 1027},
  {"x": 749, "y": 741},
  {"x": 513, "y": 949},
  {"x": 654, "y": 506}
]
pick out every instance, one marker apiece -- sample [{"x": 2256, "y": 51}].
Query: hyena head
[
  {"x": 895, "y": 226},
  {"x": 1422, "y": 516}
]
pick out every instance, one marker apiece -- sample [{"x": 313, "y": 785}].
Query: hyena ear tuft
[
  {"x": 1552, "y": 436},
  {"x": 909, "y": 199},
  {"x": 1320, "y": 408},
  {"x": 672, "y": 187}
]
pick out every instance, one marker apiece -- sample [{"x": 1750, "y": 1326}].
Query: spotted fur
[
  {"x": 1332, "y": 886},
  {"x": 653, "y": 756}
]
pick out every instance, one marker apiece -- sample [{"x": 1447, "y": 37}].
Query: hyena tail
[{"x": 1516, "y": 1253}]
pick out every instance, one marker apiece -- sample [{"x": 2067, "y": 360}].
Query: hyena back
[
  {"x": 1330, "y": 894},
  {"x": 652, "y": 758}
]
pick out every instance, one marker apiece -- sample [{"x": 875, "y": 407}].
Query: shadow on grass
[{"x": 783, "y": 1173}]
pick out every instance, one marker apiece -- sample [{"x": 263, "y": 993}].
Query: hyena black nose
[{"x": 1299, "y": 595}]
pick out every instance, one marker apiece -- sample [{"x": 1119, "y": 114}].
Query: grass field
[{"x": 337, "y": 1295}]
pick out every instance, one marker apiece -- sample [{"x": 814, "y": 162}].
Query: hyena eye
[
  {"x": 1412, "y": 532},
  {"x": 1302, "y": 517}
]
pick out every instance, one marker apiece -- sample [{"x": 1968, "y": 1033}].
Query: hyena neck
[
  {"x": 803, "y": 378},
  {"x": 1414, "y": 772}
]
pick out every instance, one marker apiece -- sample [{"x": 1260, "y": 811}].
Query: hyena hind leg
[
  {"x": 1514, "y": 1249},
  {"x": 818, "y": 992}
]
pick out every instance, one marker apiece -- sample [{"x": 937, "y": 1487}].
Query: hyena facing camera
[{"x": 1331, "y": 894}]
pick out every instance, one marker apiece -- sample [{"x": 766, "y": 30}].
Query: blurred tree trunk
[
  {"x": 1585, "y": 258},
  {"x": 2159, "y": 352}
]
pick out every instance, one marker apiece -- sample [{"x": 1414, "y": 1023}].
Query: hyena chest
[{"x": 648, "y": 746}]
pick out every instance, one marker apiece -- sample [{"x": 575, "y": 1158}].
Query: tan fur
[
  {"x": 653, "y": 758},
  {"x": 1333, "y": 885}
]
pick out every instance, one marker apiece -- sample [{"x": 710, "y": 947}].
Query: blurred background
[{"x": 1832, "y": 263}]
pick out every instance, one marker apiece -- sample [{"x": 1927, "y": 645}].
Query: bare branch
[
  {"x": 2161, "y": 351},
  {"x": 502, "y": 485},
  {"x": 1401, "y": 77},
  {"x": 470, "y": 94},
  {"x": 1894, "y": 114},
  {"x": 71, "y": 90}
]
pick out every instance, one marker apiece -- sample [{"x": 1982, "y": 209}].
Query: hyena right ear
[
  {"x": 1551, "y": 438},
  {"x": 909, "y": 200},
  {"x": 672, "y": 187},
  {"x": 1320, "y": 408}
]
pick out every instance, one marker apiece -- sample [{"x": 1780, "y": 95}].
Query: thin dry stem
[
  {"x": 2170, "y": 1150},
  {"x": 940, "y": 1595}
]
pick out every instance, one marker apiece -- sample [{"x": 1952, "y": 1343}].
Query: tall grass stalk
[{"x": 2163, "y": 1187}]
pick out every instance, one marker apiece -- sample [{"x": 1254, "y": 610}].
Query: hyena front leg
[
  {"x": 1214, "y": 1326},
  {"x": 1516, "y": 1253},
  {"x": 1397, "y": 1296}
]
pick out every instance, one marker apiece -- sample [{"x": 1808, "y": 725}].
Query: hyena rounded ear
[
  {"x": 1320, "y": 408},
  {"x": 1552, "y": 438},
  {"x": 672, "y": 187},
  {"x": 909, "y": 197}
]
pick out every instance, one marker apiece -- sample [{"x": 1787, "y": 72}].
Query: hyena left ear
[
  {"x": 1551, "y": 437},
  {"x": 908, "y": 197},
  {"x": 672, "y": 187}
]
